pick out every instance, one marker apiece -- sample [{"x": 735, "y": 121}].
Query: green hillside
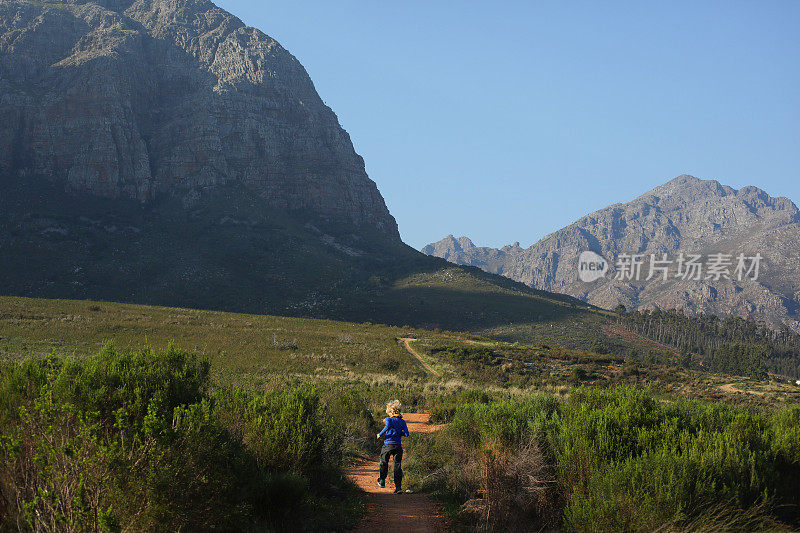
[
  {"x": 230, "y": 251},
  {"x": 252, "y": 350},
  {"x": 248, "y": 348}
]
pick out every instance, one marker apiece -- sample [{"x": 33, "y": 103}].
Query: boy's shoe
[
  {"x": 381, "y": 483},
  {"x": 398, "y": 491}
]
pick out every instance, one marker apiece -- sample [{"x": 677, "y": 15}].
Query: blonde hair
[{"x": 394, "y": 408}]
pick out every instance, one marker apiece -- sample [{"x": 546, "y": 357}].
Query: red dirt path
[
  {"x": 418, "y": 357},
  {"x": 411, "y": 513}
]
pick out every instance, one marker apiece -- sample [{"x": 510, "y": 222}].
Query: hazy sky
[{"x": 505, "y": 121}]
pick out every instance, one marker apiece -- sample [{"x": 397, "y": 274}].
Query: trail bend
[{"x": 406, "y": 343}]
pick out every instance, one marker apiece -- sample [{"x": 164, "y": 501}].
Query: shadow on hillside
[
  {"x": 460, "y": 309},
  {"x": 220, "y": 256}
]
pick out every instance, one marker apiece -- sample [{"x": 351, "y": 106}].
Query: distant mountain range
[{"x": 685, "y": 217}]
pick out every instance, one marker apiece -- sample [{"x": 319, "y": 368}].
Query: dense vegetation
[
  {"x": 614, "y": 460},
  {"x": 283, "y": 403},
  {"x": 513, "y": 365},
  {"x": 139, "y": 441},
  {"x": 741, "y": 359},
  {"x": 713, "y": 338}
]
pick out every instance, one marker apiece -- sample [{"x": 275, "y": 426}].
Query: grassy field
[
  {"x": 254, "y": 350},
  {"x": 247, "y": 345}
]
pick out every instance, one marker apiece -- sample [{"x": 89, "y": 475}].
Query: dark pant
[{"x": 387, "y": 451}]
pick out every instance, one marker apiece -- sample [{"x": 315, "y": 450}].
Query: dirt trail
[
  {"x": 418, "y": 357},
  {"x": 731, "y": 388},
  {"x": 413, "y": 513}
]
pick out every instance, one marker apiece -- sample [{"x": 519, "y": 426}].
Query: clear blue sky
[{"x": 505, "y": 121}]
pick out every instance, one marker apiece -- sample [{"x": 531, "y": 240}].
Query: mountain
[
  {"x": 127, "y": 99},
  {"x": 162, "y": 152},
  {"x": 686, "y": 215}
]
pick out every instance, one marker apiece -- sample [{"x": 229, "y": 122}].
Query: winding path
[
  {"x": 407, "y": 513},
  {"x": 418, "y": 357},
  {"x": 731, "y": 388}
]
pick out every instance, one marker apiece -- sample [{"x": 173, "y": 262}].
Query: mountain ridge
[{"x": 685, "y": 214}]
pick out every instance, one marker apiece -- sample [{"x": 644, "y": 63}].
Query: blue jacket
[{"x": 394, "y": 430}]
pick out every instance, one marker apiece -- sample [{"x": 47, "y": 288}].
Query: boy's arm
[
  {"x": 405, "y": 429},
  {"x": 385, "y": 427}
]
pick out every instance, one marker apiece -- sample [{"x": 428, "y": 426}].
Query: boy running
[{"x": 393, "y": 431}]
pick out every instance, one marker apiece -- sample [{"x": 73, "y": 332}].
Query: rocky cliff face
[
  {"x": 142, "y": 99},
  {"x": 686, "y": 215}
]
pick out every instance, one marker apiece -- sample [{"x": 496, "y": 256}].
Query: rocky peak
[
  {"x": 153, "y": 97},
  {"x": 448, "y": 246},
  {"x": 511, "y": 247},
  {"x": 686, "y": 188}
]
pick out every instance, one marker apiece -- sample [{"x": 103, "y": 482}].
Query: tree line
[{"x": 731, "y": 344}]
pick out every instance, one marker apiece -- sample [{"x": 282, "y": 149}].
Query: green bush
[
  {"x": 628, "y": 462},
  {"x": 445, "y": 407},
  {"x": 507, "y": 423},
  {"x": 284, "y": 429},
  {"x": 489, "y": 458},
  {"x": 617, "y": 460},
  {"x": 349, "y": 410},
  {"x": 136, "y": 441}
]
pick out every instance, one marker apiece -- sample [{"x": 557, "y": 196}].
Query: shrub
[
  {"x": 282, "y": 429},
  {"x": 122, "y": 438},
  {"x": 627, "y": 462},
  {"x": 489, "y": 459},
  {"x": 390, "y": 362},
  {"x": 443, "y": 410},
  {"x": 349, "y": 410},
  {"x": 599, "y": 347},
  {"x": 617, "y": 460},
  {"x": 135, "y": 441}
]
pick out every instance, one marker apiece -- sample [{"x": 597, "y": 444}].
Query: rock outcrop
[
  {"x": 686, "y": 215},
  {"x": 138, "y": 99}
]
